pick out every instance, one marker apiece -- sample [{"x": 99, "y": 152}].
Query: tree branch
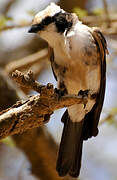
[
  {"x": 37, "y": 109},
  {"x": 107, "y": 18},
  {"x": 8, "y": 6},
  {"x": 88, "y": 20},
  {"x": 36, "y": 143},
  {"x": 27, "y": 61},
  {"x": 5, "y": 28}
]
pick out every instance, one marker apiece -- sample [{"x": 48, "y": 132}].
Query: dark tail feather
[
  {"x": 75, "y": 170},
  {"x": 70, "y": 151}
]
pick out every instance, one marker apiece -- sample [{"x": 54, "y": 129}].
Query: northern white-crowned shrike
[{"x": 78, "y": 59}]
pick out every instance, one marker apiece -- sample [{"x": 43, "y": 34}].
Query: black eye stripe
[
  {"x": 47, "y": 21},
  {"x": 62, "y": 22}
]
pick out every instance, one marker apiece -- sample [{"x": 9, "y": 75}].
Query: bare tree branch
[
  {"x": 8, "y": 6},
  {"x": 37, "y": 109},
  {"x": 5, "y": 28},
  {"x": 89, "y": 20},
  {"x": 107, "y": 18},
  {"x": 33, "y": 142}
]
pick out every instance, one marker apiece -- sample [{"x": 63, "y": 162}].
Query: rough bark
[
  {"x": 36, "y": 110},
  {"x": 38, "y": 145}
]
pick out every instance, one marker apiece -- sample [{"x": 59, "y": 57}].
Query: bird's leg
[
  {"x": 62, "y": 89},
  {"x": 84, "y": 94},
  {"x": 59, "y": 93}
]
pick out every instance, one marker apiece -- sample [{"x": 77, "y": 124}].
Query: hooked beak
[{"x": 34, "y": 29}]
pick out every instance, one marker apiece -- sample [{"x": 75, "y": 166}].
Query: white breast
[{"x": 79, "y": 55}]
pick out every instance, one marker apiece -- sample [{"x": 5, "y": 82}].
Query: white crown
[{"x": 50, "y": 10}]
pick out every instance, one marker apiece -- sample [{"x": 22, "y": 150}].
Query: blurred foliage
[
  {"x": 112, "y": 117},
  {"x": 23, "y": 22},
  {"x": 112, "y": 121},
  {"x": 4, "y": 20},
  {"x": 9, "y": 141},
  {"x": 80, "y": 12},
  {"x": 114, "y": 111},
  {"x": 83, "y": 12},
  {"x": 31, "y": 12},
  {"x": 98, "y": 11}
]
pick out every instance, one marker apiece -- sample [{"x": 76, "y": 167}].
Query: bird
[{"x": 78, "y": 60}]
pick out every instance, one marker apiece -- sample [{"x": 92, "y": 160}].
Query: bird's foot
[
  {"x": 59, "y": 93},
  {"x": 84, "y": 94}
]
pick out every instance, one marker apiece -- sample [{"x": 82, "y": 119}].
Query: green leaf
[{"x": 80, "y": 12}]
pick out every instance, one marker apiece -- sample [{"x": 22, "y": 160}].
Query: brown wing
[
  {"x": 91, "y": 120},
  {"x": 57, "y": 70}
]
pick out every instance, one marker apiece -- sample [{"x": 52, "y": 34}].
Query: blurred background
[{"x": 32, "y": 155}]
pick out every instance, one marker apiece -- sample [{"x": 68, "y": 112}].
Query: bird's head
[{"x": 52, "y": 22}]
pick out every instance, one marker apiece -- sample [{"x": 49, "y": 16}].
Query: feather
[
  {"x": 70, "y": 151},
  {"x": 51, "y": 58},
  {"x": 92, "y": 118}
]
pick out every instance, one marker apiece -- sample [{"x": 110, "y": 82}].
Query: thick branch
[
  {"x": 32, "y": 113},
  {"x": 36, "y": 110},
  {"x": 39, "y": 147}
]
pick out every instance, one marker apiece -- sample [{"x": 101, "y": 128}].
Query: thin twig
[
  {"x": 38, "y": 146},
  {"x": 89, "y": 20},
  {"x": 5, "y": 28},
  {"x": 107, "y": 18}
]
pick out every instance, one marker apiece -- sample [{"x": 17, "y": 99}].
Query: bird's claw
[
  {"x": 84, "y": 94},
  {"x": 59, "y": 93}
]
